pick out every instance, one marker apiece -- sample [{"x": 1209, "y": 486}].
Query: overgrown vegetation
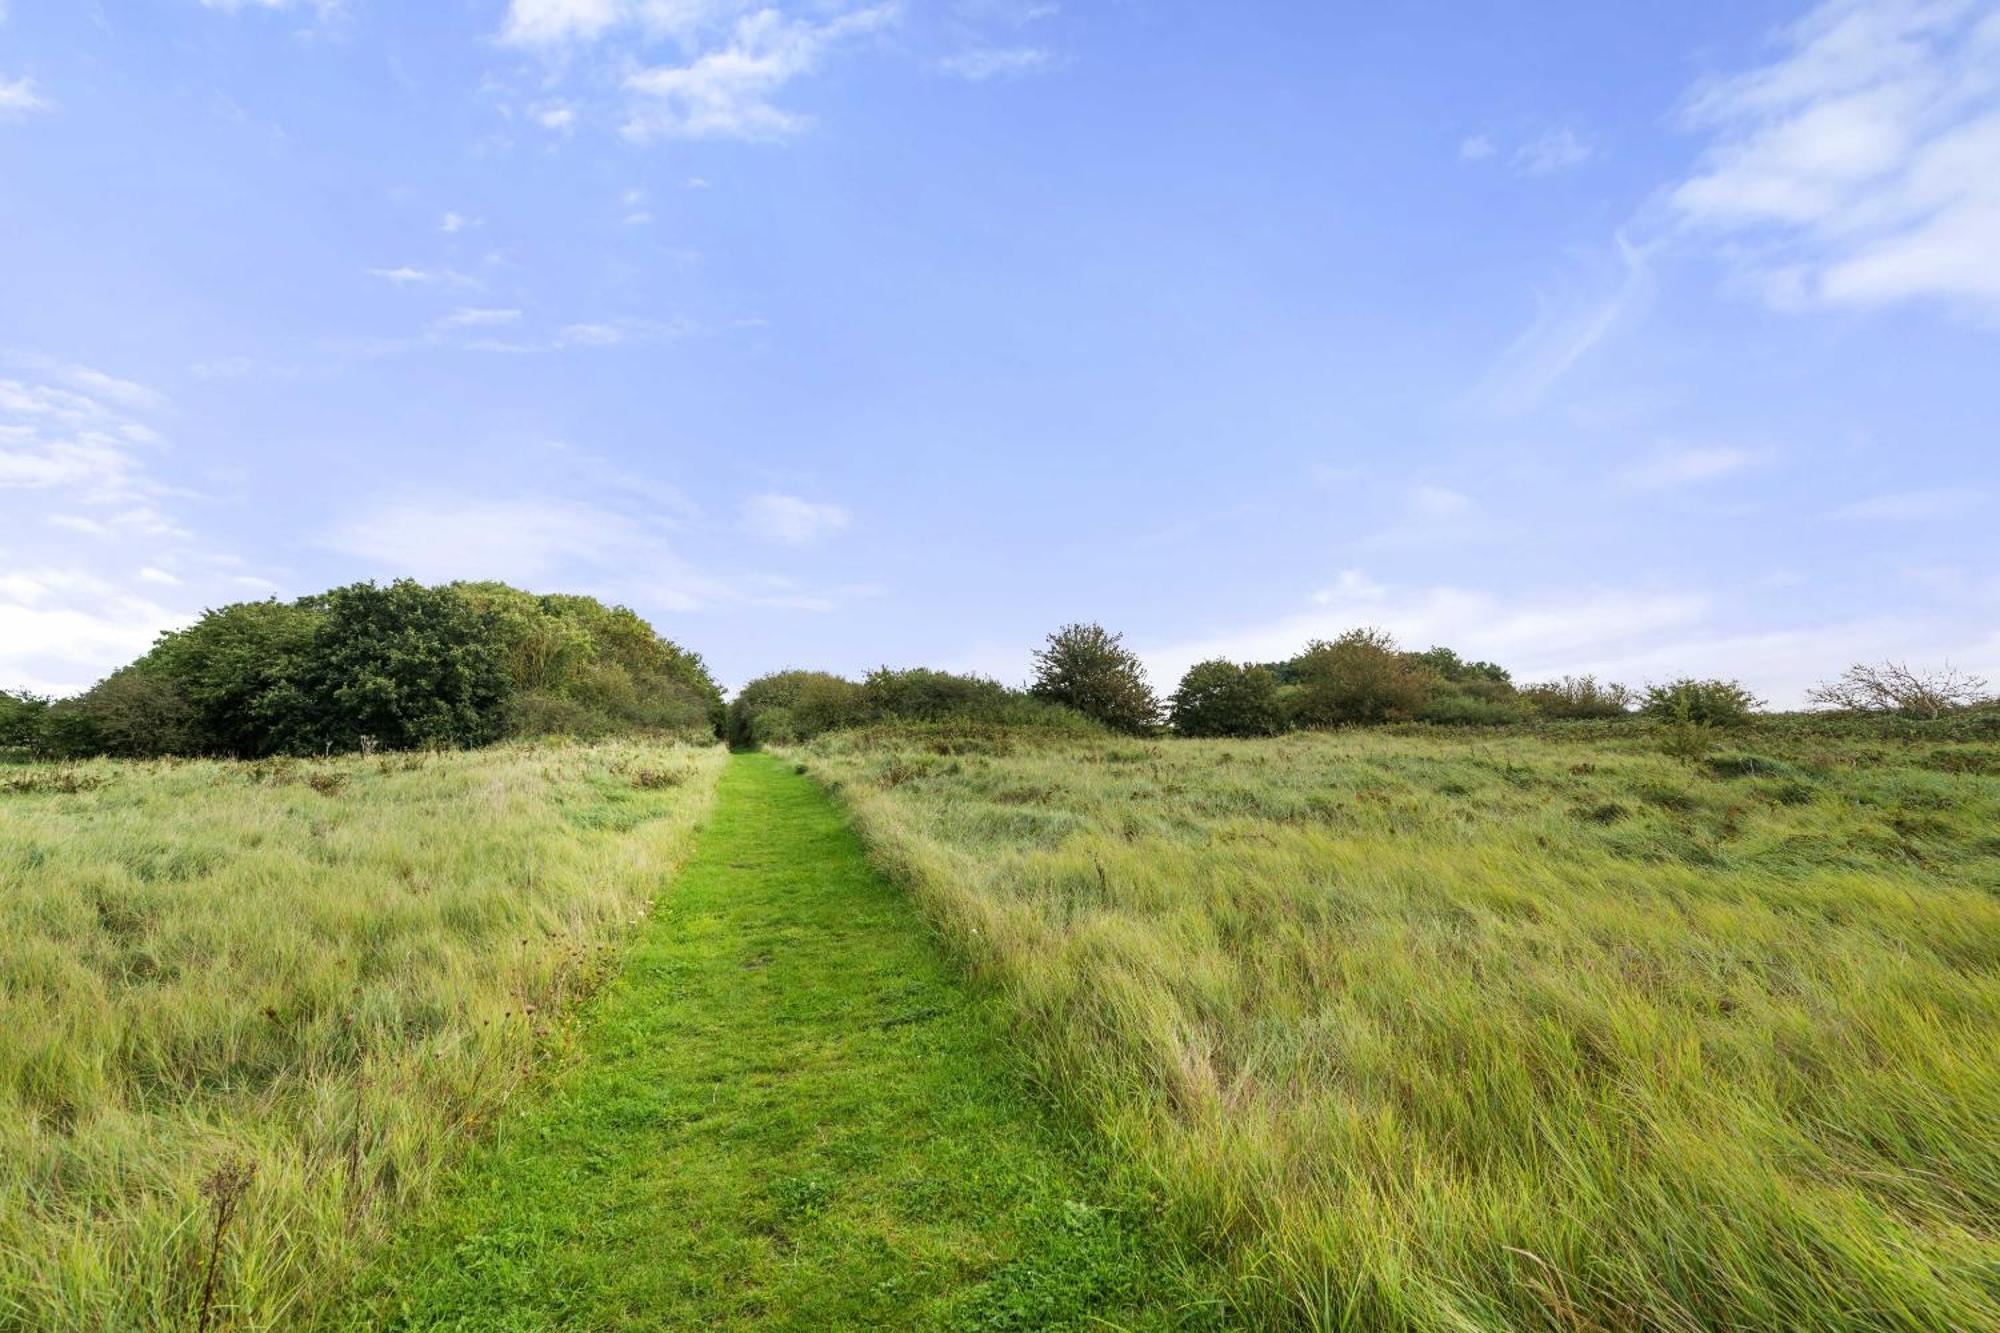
[
  {"x": 1422, "y": 1029},
  {"x": 254, "y": 1009},
  {"x": 392, "y": 667},
  {"x": 789, "y": 706}
]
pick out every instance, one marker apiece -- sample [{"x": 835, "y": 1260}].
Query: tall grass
[
  {"x": 1477, "y": 1033},
  {"x": 248, "y": 1011}
]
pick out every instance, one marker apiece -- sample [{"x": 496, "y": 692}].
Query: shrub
[
  {"x": 1579, "y": 697},
  {"x": 793, "y": 706},
  {"x": 1476, "y": 702},
  {"x": 1894, "y": 687},
  {"x": 1358, "y": 678},
  {"x": 1222, "y": 698},
  {"x": 1706, "y": 703},
  {"x": 1088, "y": 668},
  {"x": 137, "y": 713}
]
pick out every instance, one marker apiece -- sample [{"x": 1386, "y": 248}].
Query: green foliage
[
  {"x": 1476, "y": 700},
  {"x": 792, "y": 706},
  {"x": 1579, "y": 697},
  {"x": 1223, "y": 698},
  {"x": 1358, "y": 678},
  {"x": 1088, "y": 668},
  {"x": 1447, "y": 665},
  {"x": 236, "y": 667},
  {"x": 584, "y": 669},
  {"x": 397, "y": 667},
  {"x": 1707, "y": 703},
  {"x": 403, "y": 667}
]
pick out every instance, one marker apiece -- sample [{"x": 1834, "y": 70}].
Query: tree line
[
  {"x": 1084, "y": 675},
  {"x": 395, "y": 666}
]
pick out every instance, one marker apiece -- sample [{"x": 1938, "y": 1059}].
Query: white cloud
[
  {"x": 727, "y": 92},
  {"x": 409, "y": 275},
  {"x": 615, "y": 332},
  {"x": 1551, "y": 152},
  {"x": 474, "y": 317},
  {"x": 1436, "y": 503},
  {"x": 524, "y": 541},
  {"x": 1568, "y": 326},
  {"x": 61, "y": 629},
  {"x": 1862, "y": 165},
  {"x": 1475, "y": 148},
  {"x": 557, "y": 116},
  {"x": 453, "y": 222},
  {"x": 996, "y": 62},
  {"x": 546, "y": 23},
  {"x": 790, "y": 521},
  {"x": 1685, "y": 467},
  {"x": 20, "y": 97},
  {"x": 1911, "y": 506},
  {"x": 154, "y": 574}
]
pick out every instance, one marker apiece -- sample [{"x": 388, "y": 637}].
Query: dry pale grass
[{"x": 249, "y": 1011}]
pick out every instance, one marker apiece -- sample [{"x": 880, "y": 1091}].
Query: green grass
[
  {"x": 332, "y": 975},
  {"x": 788, "y": 1113},
  {"x": 1475, "y": 1031}
]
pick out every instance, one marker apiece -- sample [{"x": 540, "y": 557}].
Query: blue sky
[{"x": 1636, "y": 339}]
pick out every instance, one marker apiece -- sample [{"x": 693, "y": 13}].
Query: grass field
[
  {"x": 276, "y": 999},
  {"x": 787, "y": 1114},
  {"x": 1516, "y": 1031}
]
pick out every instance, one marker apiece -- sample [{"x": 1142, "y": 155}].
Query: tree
[
  {"x": 1223, "y": 698},
  {"x": 1895, "y": 687},
  {"x": 235, "y": 667},
  {"x": 1088, "y": 668},
  {"x": 793, "y": 706},
  {"x": 137, "y": 713},
  {"x": 1700, "y": 703},
  {"x": 1359, "y": 677},
  {"x": 405, "y": 666}
]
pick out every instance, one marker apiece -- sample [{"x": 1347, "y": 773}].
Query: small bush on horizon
[
  {"x": 1580, "y": 697},
  {"x": 1224, "y": 698},
  {"x": 1707, "y": 703},
  {"x": 1357, "y": 679}
]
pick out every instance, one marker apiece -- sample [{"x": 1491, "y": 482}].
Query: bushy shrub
[
  {"x": 1358, "y": 678},
  {"x": 1578, "y": 697},
  {"x": 1475, "y": 702},
  {"x": 1701, "y": 703},
  {"x": 1088, "y": 668},
  {"x": 793, "y": 706},
  {"x": 1223, "y": 698},
  {"x": 136, "y": 713}
]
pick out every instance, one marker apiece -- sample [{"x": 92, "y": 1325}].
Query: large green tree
[
  {"x": 1088, "y": 668},
  {"x": 401, "y": 666}
]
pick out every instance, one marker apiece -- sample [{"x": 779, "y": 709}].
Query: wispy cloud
[
  {"x": 1476, "y": 148},
  {"x": 1911, "y": 506},
  {"x": 729, "y": 92},
  {"x": 475, "y": 317},
  {"x": 21, "y": 97},
  {"x": 981, "y": 63},
  {"x": 1552, "y": 151},
  {"x": 1862, "y": 165},
  {"x": 1569, "y": 324},
  {"x": 410, "y": 275},
  {"x": 1672, "y": 468},
  {"x": 790, "y": 521}
]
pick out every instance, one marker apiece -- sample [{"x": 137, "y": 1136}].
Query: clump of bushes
[
  {"x": 1223, "y": 698},
  {"x": 1580, "y": 698},
  {"x": 790, "y": 706},
  {"x": 1702, "y": 703},
  {"x": 367, "y": 666}
]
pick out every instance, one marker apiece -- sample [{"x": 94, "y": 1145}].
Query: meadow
[
  {"x": 251, "y": 1012},
  {"x": 1532, "y": 1028}
]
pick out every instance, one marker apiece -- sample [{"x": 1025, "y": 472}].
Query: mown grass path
[{"x": 789, "y": 1113}]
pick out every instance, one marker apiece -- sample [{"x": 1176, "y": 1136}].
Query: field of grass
[
  {"x": 1502, "y": 1031},
  {"x": 787, "y": 1113},
  {"x": 275, "y": 1000}
]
